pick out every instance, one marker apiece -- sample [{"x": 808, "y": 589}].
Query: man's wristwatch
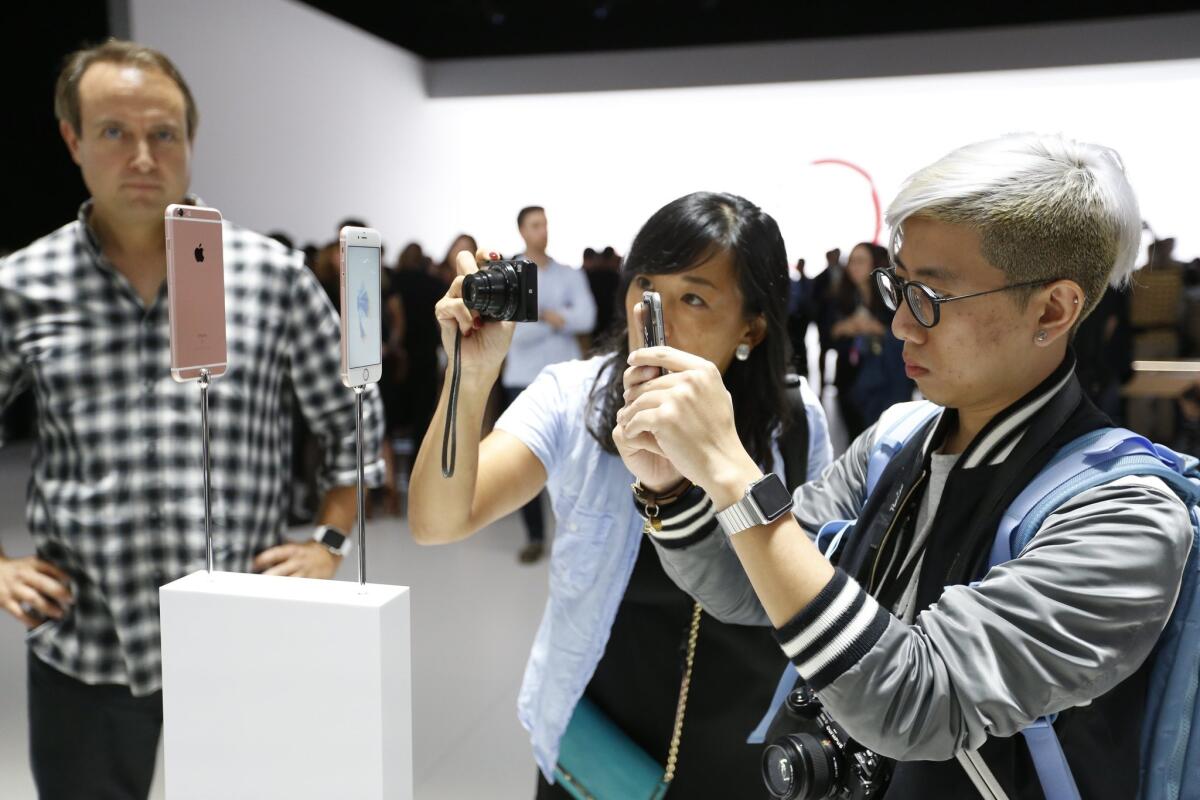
[
  {"x": 765, "y": 501},
  {"x": 337, "y": 542}
]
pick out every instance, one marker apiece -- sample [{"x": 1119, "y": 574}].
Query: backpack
[{"x": 1170, "y": 759}]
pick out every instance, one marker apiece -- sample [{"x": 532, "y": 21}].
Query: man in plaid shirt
[{"x": 115, "y": 502}]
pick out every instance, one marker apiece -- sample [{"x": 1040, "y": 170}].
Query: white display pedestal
[{"x": 287, "y": 688}]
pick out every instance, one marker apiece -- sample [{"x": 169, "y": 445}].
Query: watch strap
[{"x": 740, "y": 516}]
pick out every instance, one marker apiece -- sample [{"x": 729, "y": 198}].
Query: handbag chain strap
[{"x": 681, "y": 709}]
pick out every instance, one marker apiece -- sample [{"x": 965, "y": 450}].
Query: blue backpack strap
[
  {"x": 787, "y": 682},
  {"x": 895, "y": 427},
  {"x": 1092, "y": 460},
  {"x": 1049, "y": 761}
]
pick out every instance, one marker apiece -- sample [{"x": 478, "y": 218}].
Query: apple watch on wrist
[
  {"x": 765, "y": 501},
  {"x": 334, "y": 540}
]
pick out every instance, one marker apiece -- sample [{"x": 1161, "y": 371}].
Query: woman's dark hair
[
  {"x": 684, "y": 234},
  {"x": 846, "y": 297},
  {"x": 448, "y": 261}
]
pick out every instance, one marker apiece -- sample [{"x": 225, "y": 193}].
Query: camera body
[
  {"x": 820, "y": 760},
  {"x": 503, "y": 290}
]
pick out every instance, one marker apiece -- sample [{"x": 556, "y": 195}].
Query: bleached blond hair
[{"x": 1046, "y": 208}]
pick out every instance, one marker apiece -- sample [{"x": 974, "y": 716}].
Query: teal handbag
[{"x": 598, "y": 761}]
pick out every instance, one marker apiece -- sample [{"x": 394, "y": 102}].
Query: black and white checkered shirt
[{"x": 116, "y": 494}]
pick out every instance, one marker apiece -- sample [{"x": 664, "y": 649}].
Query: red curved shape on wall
[{"x": 870, "y": 183}]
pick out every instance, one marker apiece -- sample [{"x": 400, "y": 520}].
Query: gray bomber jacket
[{"x": 1078, "y": 611}]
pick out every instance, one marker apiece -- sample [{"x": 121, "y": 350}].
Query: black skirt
[{"x": 637, "y": 685}]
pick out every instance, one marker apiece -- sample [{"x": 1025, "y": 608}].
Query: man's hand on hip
[
  {"x": 298, "y": 559},
  {"x": 33, "y": 590}
]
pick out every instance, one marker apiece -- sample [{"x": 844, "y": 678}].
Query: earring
[
  {"x": 742, "y": 352},
  {"x": 1040, "y": 338},
  {"x": 1076, "y": 301}
]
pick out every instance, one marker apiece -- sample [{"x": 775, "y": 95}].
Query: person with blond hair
[{"x": 908, "y": 640}]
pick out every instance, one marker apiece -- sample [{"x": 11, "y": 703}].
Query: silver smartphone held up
[
  {"x": 362, "y": 312},
  {"x": 654, "y": 331}
]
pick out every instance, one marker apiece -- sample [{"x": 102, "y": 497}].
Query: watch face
[
  {"x": 332, "y": 539},
  {"x": 771, "y": 497}
]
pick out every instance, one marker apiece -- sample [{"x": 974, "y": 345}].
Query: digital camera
[
  {"x": 823, "y": 762},
  {"x": 503, "y": 290}
]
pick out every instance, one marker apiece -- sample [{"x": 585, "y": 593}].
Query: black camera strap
[{"x": 450, "y": 431}]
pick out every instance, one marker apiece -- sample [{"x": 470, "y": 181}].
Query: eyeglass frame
[{"x": 937, "y": 300}]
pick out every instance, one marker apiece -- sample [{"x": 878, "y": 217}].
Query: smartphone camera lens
[{"x": 179, "y": 212}]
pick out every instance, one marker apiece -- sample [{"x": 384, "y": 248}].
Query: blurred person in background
[
  {"x": 825, "y": 287},
  {"x": 801, "y": 313},
  {"x": 565, "y": 310},
  {"x": 411, "y": 257},
  {"x": 446, "y": 271},
  {"x": 327, "y": 265},
  {"x": 282, "y": 238},
  {"x": 870, "y": 365},
  {"x": 1104, "y": 352},
  {"x": 603, "y": 272},
  {"x": 414, "y": 344}
]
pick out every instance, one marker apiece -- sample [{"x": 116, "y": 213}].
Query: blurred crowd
[{"x": 840, "y": 335}]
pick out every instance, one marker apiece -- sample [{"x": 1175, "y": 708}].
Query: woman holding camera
[{"x": 618, "y": 638}]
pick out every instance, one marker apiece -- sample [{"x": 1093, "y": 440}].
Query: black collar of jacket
[{"x": 999, "y": 462}]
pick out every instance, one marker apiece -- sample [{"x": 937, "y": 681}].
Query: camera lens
[
  {"x": 493, "y": 292},
  {"x": 801, "y": 767}
]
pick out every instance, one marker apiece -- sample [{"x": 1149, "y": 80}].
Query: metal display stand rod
[
  {"x": 208, "y": 538},
  {"x": 362, "y": 497}
]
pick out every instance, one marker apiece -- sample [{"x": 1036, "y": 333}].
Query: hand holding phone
[
  {"x": 362, "y": 327},
  {"x": 195, "y": 291}
]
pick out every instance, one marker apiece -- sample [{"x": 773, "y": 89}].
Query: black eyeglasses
[{"x": 924, "y": 303}]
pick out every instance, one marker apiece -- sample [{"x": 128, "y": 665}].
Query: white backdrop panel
[{"x": 306, "y": 120}]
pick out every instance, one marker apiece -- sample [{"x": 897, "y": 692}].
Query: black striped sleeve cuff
[
  {"x": 688, "y": 520},
  {"x": 833, "y": 632}
]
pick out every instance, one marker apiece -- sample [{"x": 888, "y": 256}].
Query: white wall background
[{"x": 306, "y": 120}]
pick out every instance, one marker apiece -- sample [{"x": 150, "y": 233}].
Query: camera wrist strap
[{"x": 450, "y": 430}]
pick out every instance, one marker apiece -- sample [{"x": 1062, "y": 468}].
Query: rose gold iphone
[
  {"x": 195, "y": 291},
  {"x": 362, "y": 328}
]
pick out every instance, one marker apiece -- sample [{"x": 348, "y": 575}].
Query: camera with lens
[
  {"x": 819, "y": 760},
  {"x": 503, "y": 290}
]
